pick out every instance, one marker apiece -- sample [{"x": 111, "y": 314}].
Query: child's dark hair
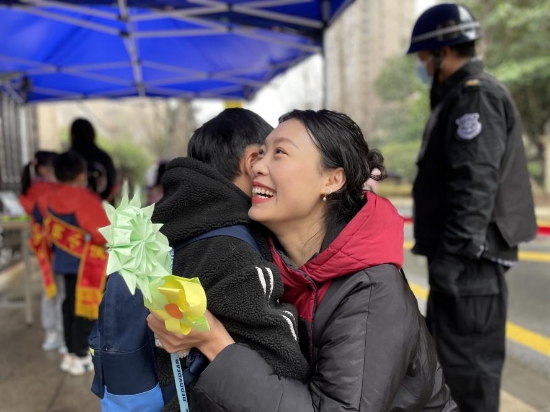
[
  {"x": 32, "y": 169},
  {"x": 221, "y": 141},
  {"x": 341, "y": 144},
  {"x": 161, "y": 169},
  {"x": 68, "y": 166}
]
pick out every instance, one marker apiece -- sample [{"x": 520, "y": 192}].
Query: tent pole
[
  {"x": 131, "y": 47},
  {"x": 24, "y": 134},
  {"x": 325, "y": 74}
]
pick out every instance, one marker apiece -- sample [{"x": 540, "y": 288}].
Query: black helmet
[{"x": 443, "y": 25}]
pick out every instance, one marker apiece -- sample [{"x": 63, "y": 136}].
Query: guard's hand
[
  {"x": 210, "y": 343},
  {"x": 444, "y": 272}
]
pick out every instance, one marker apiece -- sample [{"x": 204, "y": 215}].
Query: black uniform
[{"x": 472, "y": 207}]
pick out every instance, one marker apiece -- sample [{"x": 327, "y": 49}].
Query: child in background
[
  {"x": 72, "y": 216},
  {"x": 154, "y": 181},
  {"x": 37, "y": 179}
]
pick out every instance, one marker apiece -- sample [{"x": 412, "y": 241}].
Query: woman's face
[{"x": 288, "y": 181}]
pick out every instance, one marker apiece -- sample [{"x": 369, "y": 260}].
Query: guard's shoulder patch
[
  {"x": 469, "y": 126},
  {"x": 472, "y": 83}
]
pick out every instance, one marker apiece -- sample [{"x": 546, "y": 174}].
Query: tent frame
[{"x": 121, "y": 23}]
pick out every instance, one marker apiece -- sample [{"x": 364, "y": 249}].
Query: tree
[
  {"x": 131, "y": 161},
  {"x": 401, "y": 118},
  {"x": 169, "y": 125},
  {"x": 517, "y": 52}
]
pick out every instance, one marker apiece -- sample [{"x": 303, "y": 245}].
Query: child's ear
[
  {"x": 250, "y": 156},
  {"x": 82, "y": 179}
]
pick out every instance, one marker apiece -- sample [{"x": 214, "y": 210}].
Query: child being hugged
[
  {"x": 204, "y": 213},
  {"x": 71, "y": 216}
]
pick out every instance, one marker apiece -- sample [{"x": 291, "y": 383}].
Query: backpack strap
[
  {"x": 195, "y": 361},
  {"x": 238, "y": 231}
]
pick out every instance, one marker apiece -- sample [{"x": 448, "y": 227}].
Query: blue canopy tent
[{"x": 78, "y": 49}]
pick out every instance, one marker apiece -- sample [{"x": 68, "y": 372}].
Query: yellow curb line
[
  {"x": 516, "y": 333},
  {"x": 530, "y": 256},
  {"x": 524, "y": 255}
]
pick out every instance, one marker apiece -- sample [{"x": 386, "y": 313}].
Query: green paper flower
[{"x": 137, "y": 249}]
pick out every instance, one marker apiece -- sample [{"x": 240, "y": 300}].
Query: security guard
[{"x": 472, "y": 203}]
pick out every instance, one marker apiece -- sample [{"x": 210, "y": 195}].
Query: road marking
[
  {"x": 515, "y": 333},
  {"x": 527, "y": 255},
  {"x": 528, "y": 338},
  {"x": 524, "y": 255}
]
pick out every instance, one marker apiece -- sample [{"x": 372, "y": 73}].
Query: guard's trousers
[{"x": 469, "y": 332}]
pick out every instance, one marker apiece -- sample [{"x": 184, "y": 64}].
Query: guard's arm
[{"x": 475, "y": 144}]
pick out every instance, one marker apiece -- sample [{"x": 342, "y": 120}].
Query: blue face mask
[{"x": 422, "y": 71}]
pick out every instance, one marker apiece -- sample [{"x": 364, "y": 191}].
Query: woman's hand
[{"x": 210, "y": 343}]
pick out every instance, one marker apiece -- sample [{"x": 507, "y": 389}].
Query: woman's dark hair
[
  {"x": 82, "y": 133},
  {"x": 68, "y": 166},
  {"x": 341, "y": 144},
  {"x": 222, "y": 141},
  {"x": 31, "y": 169}
]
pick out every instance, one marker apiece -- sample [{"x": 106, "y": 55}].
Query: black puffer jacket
[
  {"x": 370, "y": 348},
  {"x": 242, "y": 288}
]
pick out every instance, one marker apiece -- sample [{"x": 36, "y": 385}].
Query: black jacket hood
[{"x": 197, "y": 198}]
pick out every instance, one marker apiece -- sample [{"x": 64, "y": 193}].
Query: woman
[{"x": 339, "y": 252}]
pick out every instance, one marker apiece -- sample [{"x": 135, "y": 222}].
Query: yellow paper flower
[{"x": 180, "y": 302}]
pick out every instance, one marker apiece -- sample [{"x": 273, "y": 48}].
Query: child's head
[
  {"x": 154, "y": 181},
  {"x": 70, "y": 168},
  {"x": 40, "y": 167},
  {"x": 229, "y": 143}
]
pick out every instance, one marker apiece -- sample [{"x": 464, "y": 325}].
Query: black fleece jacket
[{"x": 242, "y": 288}]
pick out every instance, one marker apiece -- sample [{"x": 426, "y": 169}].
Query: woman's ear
[{"x": 336, "y": 180}]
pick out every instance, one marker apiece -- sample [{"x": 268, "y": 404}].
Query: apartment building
[{"x": 357, "y": 47}]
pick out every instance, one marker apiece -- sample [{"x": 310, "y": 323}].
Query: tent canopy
[{"x": 60, "y": 50}]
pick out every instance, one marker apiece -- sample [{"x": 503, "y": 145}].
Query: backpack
[{"x": 123, "y": 346}]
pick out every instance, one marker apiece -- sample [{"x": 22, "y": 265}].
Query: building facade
[{"x": 357, "y": 47}]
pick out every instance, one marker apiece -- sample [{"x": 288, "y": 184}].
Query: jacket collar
[
  {"x": 440, "y": 90},
  {"x": 373, "y": 237}
]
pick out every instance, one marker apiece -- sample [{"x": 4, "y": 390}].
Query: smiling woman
[
  {"x": 339, "y": 252},
  {"x": 302, "y": 162}
]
